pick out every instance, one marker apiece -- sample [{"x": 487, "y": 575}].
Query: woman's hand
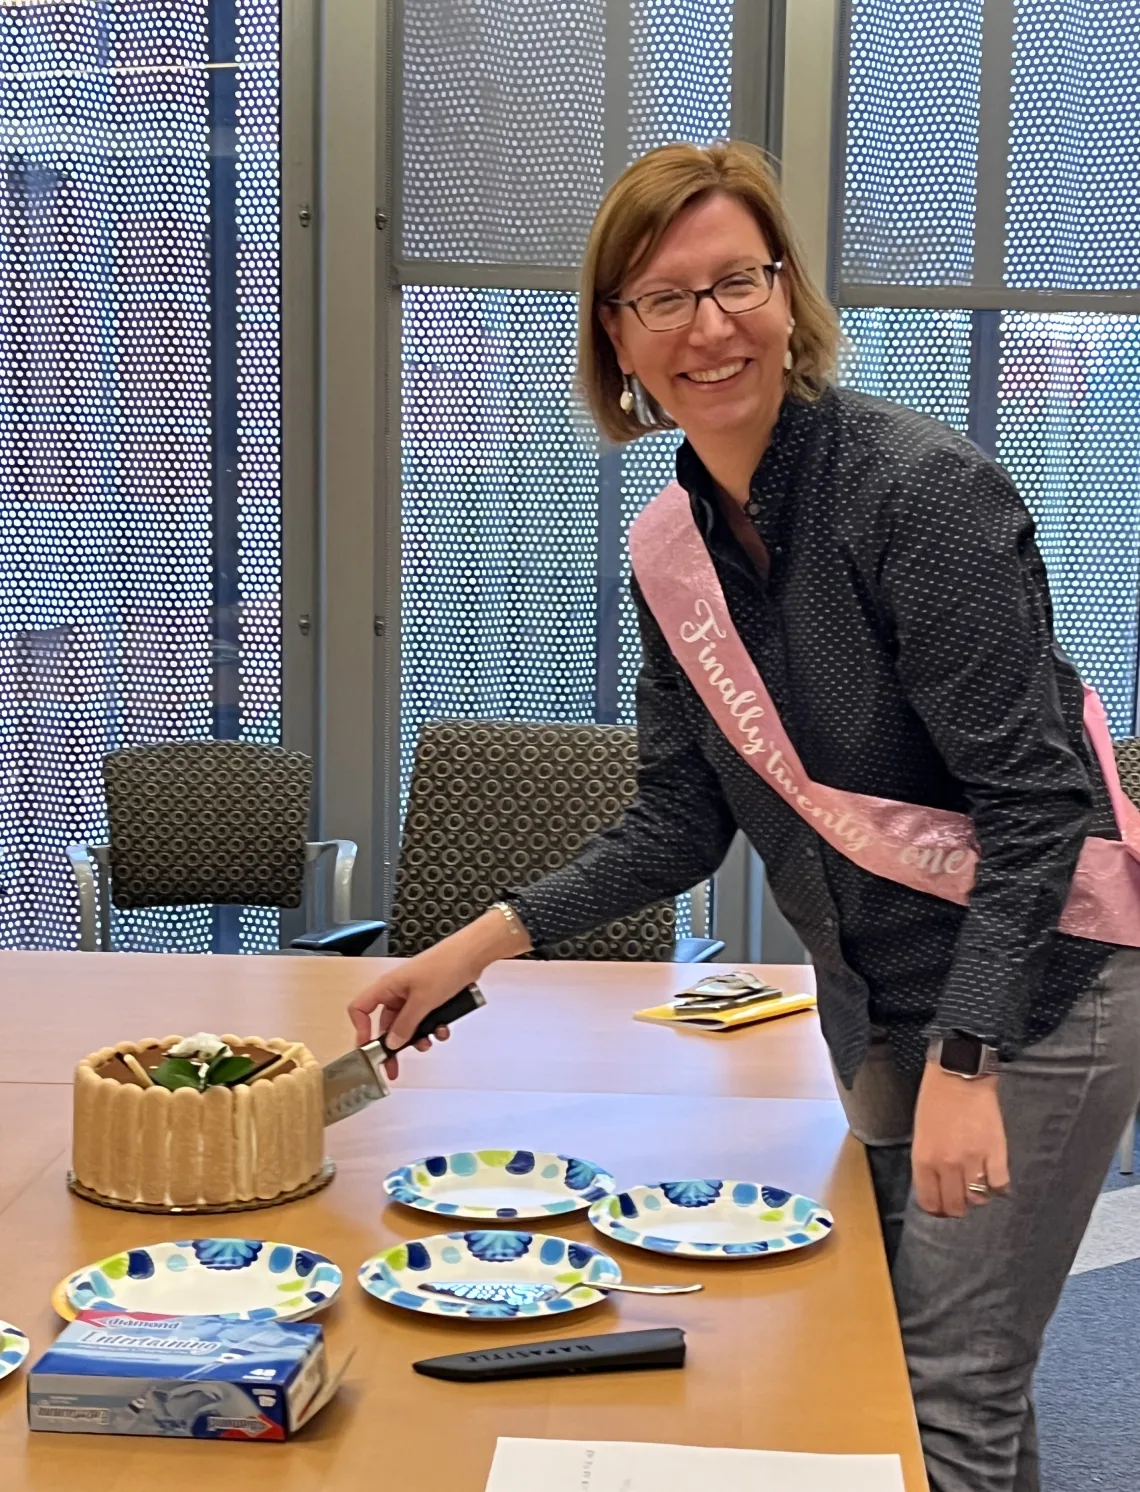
[
  {"x": 411, "y": 991},
  {"x": 959, "y": 1139}
]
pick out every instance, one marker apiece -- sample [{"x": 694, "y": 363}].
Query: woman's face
[{"x": 708, "y": 240}]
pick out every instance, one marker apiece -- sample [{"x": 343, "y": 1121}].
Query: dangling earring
[
  {"x": 789, "y": 360},
  {"x": 626, "y": 400}
]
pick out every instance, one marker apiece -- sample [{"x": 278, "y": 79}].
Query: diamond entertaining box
[{"x": 123, "y": 1373}]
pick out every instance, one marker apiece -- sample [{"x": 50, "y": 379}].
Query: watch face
[{"x": 961, "y": 1053}]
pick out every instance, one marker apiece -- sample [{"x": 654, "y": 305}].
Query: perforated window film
[
  {"x": 111, "y": 336},
  {"x": 499, "y": 513},
  {"x": 1074, "y": 163},
  {"x": 1051, "y": 395},
  {"x": 515, "y": 114},
  {"x": 1069, "y": 435},
  {"x": 912, "y": 142},
  {"x": 502, "y": 128},
  {"x": 915, "y": 357},
  {"x": 680, "y": 72}
]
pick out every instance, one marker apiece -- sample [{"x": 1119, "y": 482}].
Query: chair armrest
[
  {"x": 696, "y": 950},
  {"x": 347, "y": 938}
]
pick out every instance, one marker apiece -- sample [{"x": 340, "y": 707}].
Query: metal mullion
[
  {"x": 348, "y": 366},
  {"x": 389, "y": 416},
  {"x": 985, "y": 367},
  {"x": 994, "y": 112},
  {"x": 757, "y": 73},
  {"x": 615, "y": 156},
  {"x": 299, "y": 370},
  {"x": 976, "y": 298},
  {"x": 222, "y": 124},
  {"x": 299, "y": 515},
  {"x": 225, "y": 597},
  {"x": 990, "y": 207}
]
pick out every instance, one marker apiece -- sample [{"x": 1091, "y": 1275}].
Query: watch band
[
  {"x": 512, "y": 919},
  {"x": 965, "y": 1055}
]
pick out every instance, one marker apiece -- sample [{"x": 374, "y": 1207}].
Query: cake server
[
  {"x": 530, "y": 1292},
  {"x": 357, "y": 1079}
]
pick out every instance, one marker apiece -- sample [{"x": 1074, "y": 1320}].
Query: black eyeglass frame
[{"x": 770, "y": 272}]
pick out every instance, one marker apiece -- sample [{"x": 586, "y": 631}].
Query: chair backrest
[
  {"x": 215, "y": 822},
  {"x": 1128, "y": 765},
  {"x": 494, "y": 805}
]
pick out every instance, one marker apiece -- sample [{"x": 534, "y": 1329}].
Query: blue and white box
[{"x": 118, "y": 1373}]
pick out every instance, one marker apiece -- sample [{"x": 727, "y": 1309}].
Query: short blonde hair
[{"x": 632, "y": 221}]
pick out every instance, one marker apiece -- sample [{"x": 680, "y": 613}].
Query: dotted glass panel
[
  {"x": 1069, "y": 436},
  {"x": 647, "y": 465},
  {"x": 500, "y": 496},
  {"x": 526, "y": 107},
  {"x": 680, "y": 72},
  {"x": 912, "y": 142},
  {"x": 1074, "y": 181},
  {"x": 105, "y": 425},
  {"x": 503, "y": 107},
  {"x": 915, "y": 357}
]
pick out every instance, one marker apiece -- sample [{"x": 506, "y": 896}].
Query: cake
[{"x": 228, "y": 1120}]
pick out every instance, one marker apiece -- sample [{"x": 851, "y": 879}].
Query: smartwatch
[{"x": 964, "y": 1055}]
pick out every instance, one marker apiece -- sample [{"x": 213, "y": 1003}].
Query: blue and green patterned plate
[
  {"x": 498, "y": 1184},
  {"x": 712, "y": 1219},
  {"x": 463, "y": 1262},
  {"x": 13, "y": 1348},
  {"x": 242, "y": 1279}
]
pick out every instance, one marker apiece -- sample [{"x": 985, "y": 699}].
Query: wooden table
[{"x": 800, "y": 1353}]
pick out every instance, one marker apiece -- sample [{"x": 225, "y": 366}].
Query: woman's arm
[
  {"x": 674, "y": 835},
  {"x": 965, "y": 591}
]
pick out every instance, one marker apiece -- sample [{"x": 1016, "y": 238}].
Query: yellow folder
[{"x": 727, "y": 1020}]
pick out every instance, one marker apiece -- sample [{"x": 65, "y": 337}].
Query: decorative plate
[
  {"x": 464, "y": 1261},
  {"x": 712, "y": 1219},
  {"x": 13, "y": 1348},
  {"x": 488, "y": 1184},
  {"x": 241, "y": 1279}
]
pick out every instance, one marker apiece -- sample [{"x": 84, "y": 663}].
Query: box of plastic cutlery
[{"x": 202, "y": 1377}]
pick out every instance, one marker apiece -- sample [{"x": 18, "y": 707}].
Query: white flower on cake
[{"x": 201, "y": 1048}]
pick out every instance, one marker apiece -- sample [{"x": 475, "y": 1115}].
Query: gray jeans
[{"x": 974, "y": 1294}]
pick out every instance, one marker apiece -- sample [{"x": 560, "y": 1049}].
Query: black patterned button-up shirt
[{"x": 904, "y": 631}]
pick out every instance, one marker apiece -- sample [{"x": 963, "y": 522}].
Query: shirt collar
[{"x": 770, "y": 481}]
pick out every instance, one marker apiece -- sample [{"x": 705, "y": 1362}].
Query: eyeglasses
[{"x": 670, "y": 310}]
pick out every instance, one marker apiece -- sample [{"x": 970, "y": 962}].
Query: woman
[{"x": 844, "y": 615}]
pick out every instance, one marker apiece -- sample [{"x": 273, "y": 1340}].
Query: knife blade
[{"x": 357, "y": 1079}]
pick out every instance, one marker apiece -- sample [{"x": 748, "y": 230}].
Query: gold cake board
[{"x": 314, "y": 1184}]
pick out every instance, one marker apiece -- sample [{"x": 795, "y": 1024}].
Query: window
[
  {"x": 514, "y": 568},
  {"x": 139, "y": 420},
  {"x": 989, "y": 270}
]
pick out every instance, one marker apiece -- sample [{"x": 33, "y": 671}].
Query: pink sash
[{"x": 928, "y": 849}]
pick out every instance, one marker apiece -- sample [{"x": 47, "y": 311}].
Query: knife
[{"x": 357, "y": 1079}]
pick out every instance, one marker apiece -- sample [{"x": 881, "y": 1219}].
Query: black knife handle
[
  {"x": 663, "y": 1347},
  {"x": 463, "y": 1003}
]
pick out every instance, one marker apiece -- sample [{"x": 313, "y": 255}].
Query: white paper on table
[{"x": 632, "y": 1466}]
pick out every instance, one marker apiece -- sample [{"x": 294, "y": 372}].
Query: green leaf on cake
[
  {"x": 176, "y": 1072},
  {"x": 226, "y": 1069}
]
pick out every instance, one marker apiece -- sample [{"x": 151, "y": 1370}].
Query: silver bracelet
[{"x": 513, "y": 920}]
